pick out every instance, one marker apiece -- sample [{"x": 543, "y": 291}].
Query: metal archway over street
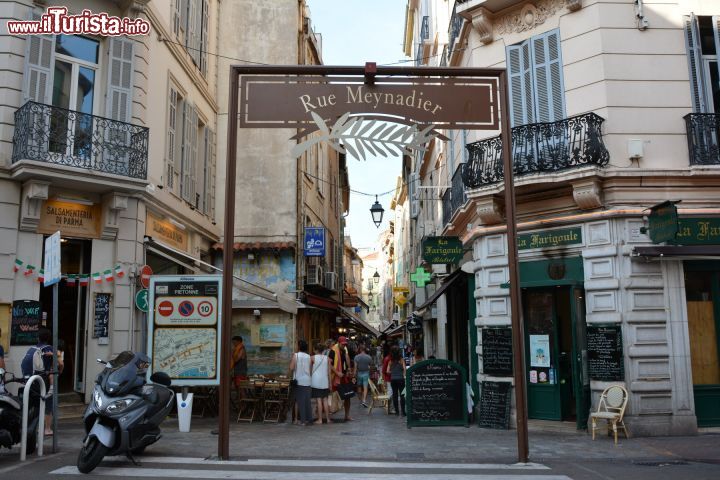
[{"x": 308, "y": 97}]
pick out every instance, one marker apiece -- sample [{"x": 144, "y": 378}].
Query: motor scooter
[
  {"x": 11, "y": 412},
  {"x": 125, "y": 412}
]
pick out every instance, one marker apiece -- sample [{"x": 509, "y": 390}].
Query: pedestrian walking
[
  {"x": 320, "y": 383},
  {"x": 362, "y": 367},
  {"x": 385, "y": 373},
  {"x": 300, "y": 368},
  {"x": 342, "y": 370},
  {"x": 396, "y": 369}
]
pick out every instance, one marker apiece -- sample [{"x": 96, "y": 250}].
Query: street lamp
[
  {"x": 376, "y": 277},
  {"x": 377, "y": 212}
]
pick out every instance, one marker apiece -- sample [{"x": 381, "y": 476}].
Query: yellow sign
[
  {"x": 165, "y": 232},
  {"x": 400, "y": 289},
  {"x": 72, "y": 219},
  {"x": 401, "y": 300}
]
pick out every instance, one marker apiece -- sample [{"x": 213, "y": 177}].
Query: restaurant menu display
[
  {"x": 494, "y": 407},
  {"x": 497, "y": 355},
  {"x": 436, "y": 394},
  {"x": 605, "y": 353}
]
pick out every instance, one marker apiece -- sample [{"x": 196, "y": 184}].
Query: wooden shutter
[
  {"x": 209, "y": 161},
  {"x": 39, "y": 62},
  {"x": 177, "y": 15},
  {"x": 119, "y": 86},
  {"x": 173, "y": 152},
  {"x": 692, "y": 43},
  {"x": 413, "y": 194},
  {"x": 213, "y": 173},
  {"x": 193, "y": 30},
  {"x": 204, "y": 42},
  {"x": 548, "y": 84},
  {"x": 190, "y": 134},
  {"x": 520, "y": 80},
  {"x": 182, "y": 6}
]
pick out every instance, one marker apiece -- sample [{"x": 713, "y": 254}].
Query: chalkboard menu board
[
  {"x": 435, "y": 394},
  {"x": 605, "y": 353},
  {"x": 26, "y": 315},
  {"x": 494, "y": 407},
  {"x": 497, "y": 351},
  {"x": 101, "y": 319}
]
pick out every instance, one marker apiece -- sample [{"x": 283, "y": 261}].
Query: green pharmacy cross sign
[{"x": 420, "y": 277}]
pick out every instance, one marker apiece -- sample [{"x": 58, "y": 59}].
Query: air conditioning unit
[
  {"x": 331, "y": 280},
  {"x": 314, "y": 275}
]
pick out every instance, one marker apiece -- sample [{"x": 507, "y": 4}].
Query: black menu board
[
  {"x": 26, "y": 315},
  {"x": 497, "y": 352},
  {"x": 605, "y": 353},
  {"x": 494, "y": 407},
  {"x": 101, "y": 320},
  {"x": 435, "y": 394}
]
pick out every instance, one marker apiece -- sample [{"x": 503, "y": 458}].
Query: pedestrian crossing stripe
[{"x": 134, "y": 472}]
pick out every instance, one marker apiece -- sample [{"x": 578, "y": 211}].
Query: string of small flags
[{"x": 71, "y": 279}]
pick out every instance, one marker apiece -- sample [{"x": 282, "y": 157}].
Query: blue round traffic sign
[{"x": 186, "y": 308}]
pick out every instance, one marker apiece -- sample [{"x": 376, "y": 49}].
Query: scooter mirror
[
  {"x": 100, "y": 360},
  {"x": 2, "y": 372}
]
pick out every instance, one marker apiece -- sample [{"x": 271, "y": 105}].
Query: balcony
[
  {"x": 454, "y": 197},
  {"x": 703, "y": 132},
  {"x": 425, "y": 29},
  {"x": 539, "y": 147},
  {"x": 447, "y": 206},
  {"x": 456, "y": 22},
  {"x": 57, "y": 136}
]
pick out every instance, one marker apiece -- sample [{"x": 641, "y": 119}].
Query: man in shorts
[{"x": 362, "y": 367}]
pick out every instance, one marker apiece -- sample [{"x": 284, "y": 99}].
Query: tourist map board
[{"x": 184, "y": 323}]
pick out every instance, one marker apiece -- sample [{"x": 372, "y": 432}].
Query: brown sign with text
[
  {"x": 165, "y": 232},
  {"x": 71, "y": 219}
]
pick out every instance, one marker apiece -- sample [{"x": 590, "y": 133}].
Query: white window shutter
[
  {"x": 204, "y": 42},
  {"x": 209, "y": 199},
  {"x": 184, "y": 174},
  {"x": 120, "y": 76},
  {"x": 39, "y": 61},
  {"x": 213, "y": 174},
  {"x": 183, "y": 6},
  {"x": 548, "y": 88},
  {"x": 177, "y": 15},
  {"x": 172, "y": 147},
  {"x": 192, "y": 166},
  {"x": 692, "y": 44},
  {"x": 520, "y": 84},
  {"x": 414, "y": 197}
]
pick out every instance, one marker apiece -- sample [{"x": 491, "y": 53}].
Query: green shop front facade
[{"x": 595, "y": 315}]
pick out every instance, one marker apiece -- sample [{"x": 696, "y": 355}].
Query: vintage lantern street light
[
  {"x": 376, "y": 277},
  {"x": 377, "y": 212}
]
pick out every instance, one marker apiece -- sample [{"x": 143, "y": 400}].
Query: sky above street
[{"x": 354, "y": 32}]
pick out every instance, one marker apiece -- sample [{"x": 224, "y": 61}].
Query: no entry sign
[{"x": 145, "y": 274}]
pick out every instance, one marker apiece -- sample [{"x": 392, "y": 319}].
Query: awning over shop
[
  {"x": 449, "y": 280},
  {"x": 678, "y": 252},
  {"x": 359, "y": 321},
  {"x": 321, "y": 302},
  {"x": 394, "y": 331}
]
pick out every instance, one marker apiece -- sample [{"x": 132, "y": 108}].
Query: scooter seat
[{"x": 10, "y": 400}]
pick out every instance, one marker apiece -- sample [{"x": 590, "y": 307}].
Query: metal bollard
[{"x": 41, "y": 420}]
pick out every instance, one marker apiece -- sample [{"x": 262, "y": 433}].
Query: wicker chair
[
  {"x": 381, "y": 398},
  {"x": 611, "y": 408}
]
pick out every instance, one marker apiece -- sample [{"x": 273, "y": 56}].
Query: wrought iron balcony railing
[
  {"x": 455, "y": 196},
  {"x": 419, "y": 60},
  {"x": 703, "y": 136},
  {"x": 456, "y": 22},
  {"x": 65, "y": 137},
  {"x": 447, "y": 206},
  {"x": 425, "y": 28},
  {"x": 539, "y": 147}
]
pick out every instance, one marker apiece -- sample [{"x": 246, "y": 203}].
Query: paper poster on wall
[{"x": 540, "y": 351}]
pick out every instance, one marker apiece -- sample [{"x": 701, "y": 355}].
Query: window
[
  {"x": 535, "y": 77},
  {"x": 190, "y": 25},
  {"x": 322, "y": 159},
  {"x": 702, "y": 39}
]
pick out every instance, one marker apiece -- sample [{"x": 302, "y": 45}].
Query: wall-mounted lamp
[
  {"x": 79, "y": 201},
  {"x": 179, "y": 225},
  {"x": 257, "y": 313}
]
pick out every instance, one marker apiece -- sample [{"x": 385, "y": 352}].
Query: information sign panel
[
  {"x": 184, "y": 328},
  {"x": 436, "y": 394},
  {"x": 51, "y": 264}
]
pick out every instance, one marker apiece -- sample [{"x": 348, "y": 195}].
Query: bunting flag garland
[{"x": 72, "y": 279}]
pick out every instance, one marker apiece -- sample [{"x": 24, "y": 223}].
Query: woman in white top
[
  {"x": 320, "y": 383},
  {"x": 300, "y": 366}
]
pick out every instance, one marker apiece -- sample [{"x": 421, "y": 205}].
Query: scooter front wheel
[{"x": 91, "y": 454}]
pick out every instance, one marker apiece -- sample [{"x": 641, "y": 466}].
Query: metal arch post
[{"x": 41, "y": 420}]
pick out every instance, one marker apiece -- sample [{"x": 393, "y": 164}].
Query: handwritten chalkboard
[
  {"x": 26, "y": 315},
  {"x": 435, "y": 394},
  {"x": 605, "y": 353},
  {"x": 102, "y": 315},
  {"x": 494, "y": 407},
  {"x": 497, "y": 352}
]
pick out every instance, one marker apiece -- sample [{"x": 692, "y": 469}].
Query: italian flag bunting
[
  {"x": 96, "y": 277},
  {"x": 29, "y": 270},
  {"x": 108, "y": 275},
  {"x": 84, "y": 280},
  {"x": 17, "y": 265},
  {"x": 71, "y": 280},
  {"x": 41, "y": 276},
  {"x": 119, "y": 272}
]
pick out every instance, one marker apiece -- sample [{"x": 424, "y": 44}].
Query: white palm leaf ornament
[{"x": 358, "y": 137}]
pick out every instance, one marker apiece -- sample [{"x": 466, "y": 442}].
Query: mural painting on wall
[
  {"x": 274, "y": 272},
  {"x": 267, "y": 342}
]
